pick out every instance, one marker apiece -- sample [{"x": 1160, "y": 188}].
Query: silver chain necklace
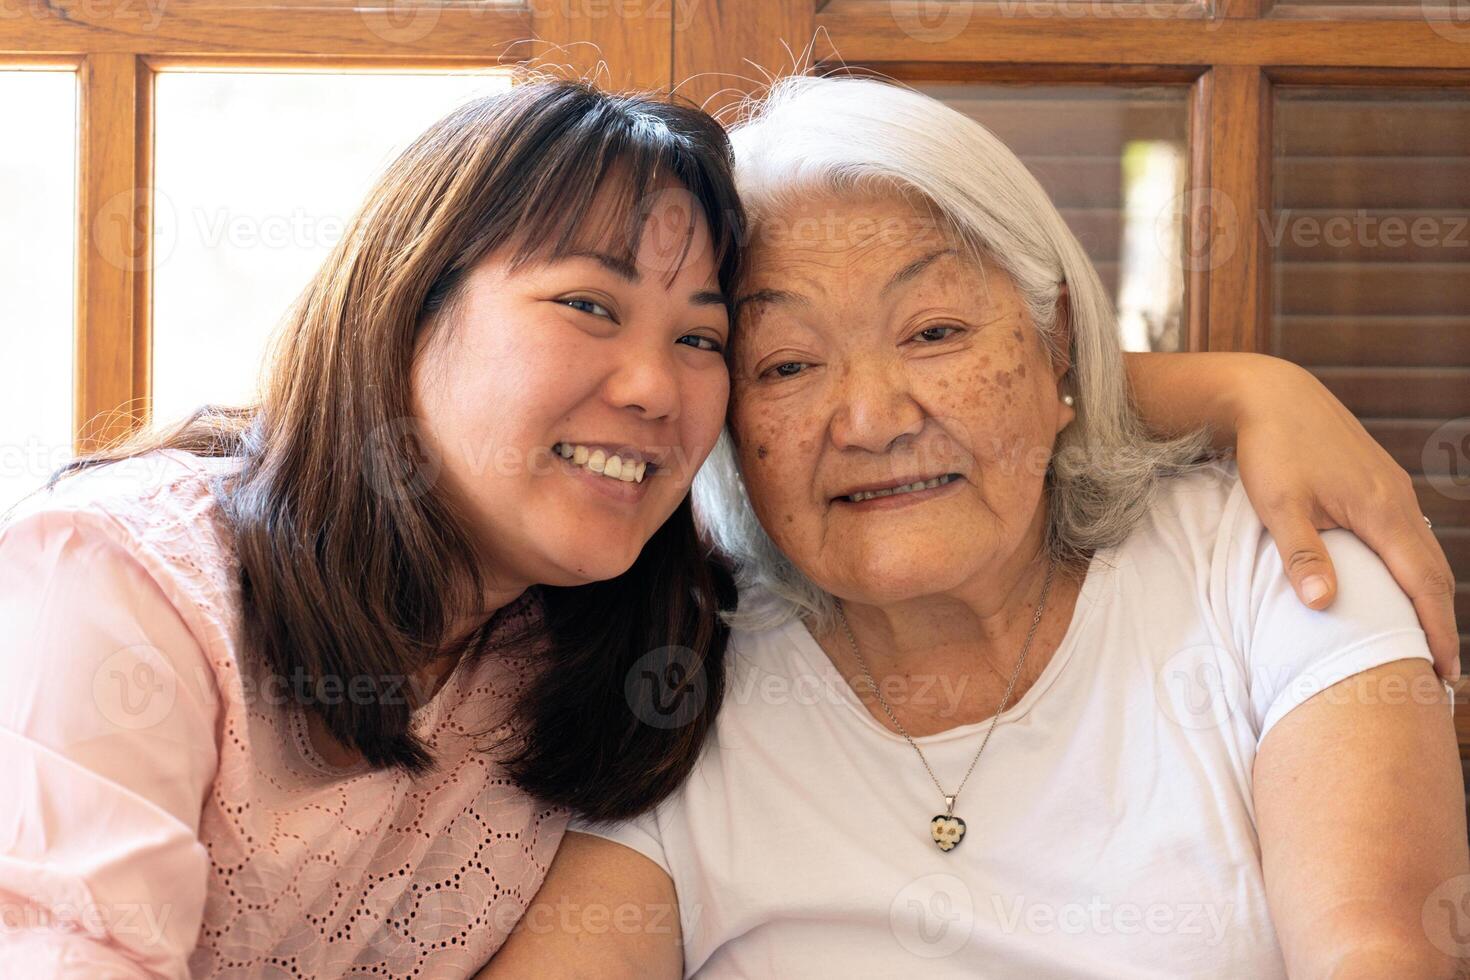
[{"x": 946, "y": 829}]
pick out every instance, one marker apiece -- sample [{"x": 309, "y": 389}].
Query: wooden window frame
[{"x": 117, "y": 54}]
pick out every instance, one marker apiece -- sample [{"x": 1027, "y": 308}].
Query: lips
[{"x": 894, "y": 487}]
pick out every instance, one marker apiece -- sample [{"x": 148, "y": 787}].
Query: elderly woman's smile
[{"x": 893, "y": 406}]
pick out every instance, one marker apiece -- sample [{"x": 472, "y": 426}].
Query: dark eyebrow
[
  {"x": 627, "y": 271},
  {"x": 914, "y": 268},
  {"x": 771, "y": 296}
]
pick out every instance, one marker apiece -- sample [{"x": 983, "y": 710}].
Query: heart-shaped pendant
[{"x": 947, "y": 831}]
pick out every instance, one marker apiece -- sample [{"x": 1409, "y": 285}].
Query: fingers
[
  {"x": 1437, "y": 615},
  {"x": 1303, "y": 555},
  {"x": 1407, "y": 547},
  {"x": 1435, "y": 602},
  {"x": 1413, "y": 555}
]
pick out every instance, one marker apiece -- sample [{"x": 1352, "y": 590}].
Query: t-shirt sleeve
[
  {"x": 641, "y": 833},
  {"x": 107, "y": 718},
  {"x": 1292, "y": 652}
]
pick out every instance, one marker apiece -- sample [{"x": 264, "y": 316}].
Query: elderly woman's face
[{"x": 871, "y": 353}]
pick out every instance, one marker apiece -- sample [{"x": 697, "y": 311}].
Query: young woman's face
[{"x": 589, "y": 353}]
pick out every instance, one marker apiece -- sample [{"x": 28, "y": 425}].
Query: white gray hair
[{"x": 840, "y": 134}]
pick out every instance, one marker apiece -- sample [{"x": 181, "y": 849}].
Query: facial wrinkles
[{"x": 982, "y": 393}]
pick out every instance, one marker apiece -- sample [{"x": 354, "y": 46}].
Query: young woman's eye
[
  {"x": 787, "y": 369},
  {"x": 701, "y": 342},
  {"x": 930, "y": 334},
  {"x": 588, "y": 306}
]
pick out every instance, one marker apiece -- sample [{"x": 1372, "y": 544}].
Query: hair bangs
[{"x": 605, "y": 205}]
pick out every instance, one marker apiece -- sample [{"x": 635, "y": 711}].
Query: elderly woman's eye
[
  {"x": 788, "y": 369},
  {"x": 587, "y": 306},
  {"x": 929, "y": 333}
]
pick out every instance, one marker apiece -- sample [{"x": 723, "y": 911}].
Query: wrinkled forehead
[
  {"x": 852, "y": 243},
  {"x": 858, "y": 247},
  {"x": 834, "y": 226}
]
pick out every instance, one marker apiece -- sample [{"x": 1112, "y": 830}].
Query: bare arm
[
  {"x": 1360, "y": 807},
  {"x": 1308, "y": 465},
  {"x": 604, "y": 912},
  {"x": 1177, "y": 393}
]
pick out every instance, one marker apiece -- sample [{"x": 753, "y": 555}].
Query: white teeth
[
  {"x": 858, "y": 498},
  {"x": 598, "y": 461}
]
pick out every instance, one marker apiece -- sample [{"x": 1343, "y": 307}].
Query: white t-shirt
[{"x": 1111, "y": 830}]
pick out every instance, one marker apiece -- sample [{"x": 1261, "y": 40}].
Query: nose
[
  {"x": 645, "y": 380},
  {"x": 875, "y": 408}
]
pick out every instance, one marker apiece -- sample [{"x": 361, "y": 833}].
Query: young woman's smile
[{"x": 620, "y": 476}]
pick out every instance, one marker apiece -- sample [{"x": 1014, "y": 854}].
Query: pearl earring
[{"x": 1068, "y": 400}]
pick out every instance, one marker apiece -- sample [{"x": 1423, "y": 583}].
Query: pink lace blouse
[{"x": 163, "y": 815}]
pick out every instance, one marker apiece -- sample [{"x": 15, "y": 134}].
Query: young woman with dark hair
[
  {"x": 334, "y": 725},
  {"x": 309, "y": 687}
]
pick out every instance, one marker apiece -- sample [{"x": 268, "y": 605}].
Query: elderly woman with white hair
[{"x": 1016, "y": 688}]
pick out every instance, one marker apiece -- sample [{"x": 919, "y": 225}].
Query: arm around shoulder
[{"x": 604, "y": 911}]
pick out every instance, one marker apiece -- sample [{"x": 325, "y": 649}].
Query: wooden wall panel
[
  {"x": 1377, "y": 305},
  {"x": 1365, "y": 341}
]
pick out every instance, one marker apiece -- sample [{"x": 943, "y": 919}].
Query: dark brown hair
[{"x": 352, "y": 569}]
